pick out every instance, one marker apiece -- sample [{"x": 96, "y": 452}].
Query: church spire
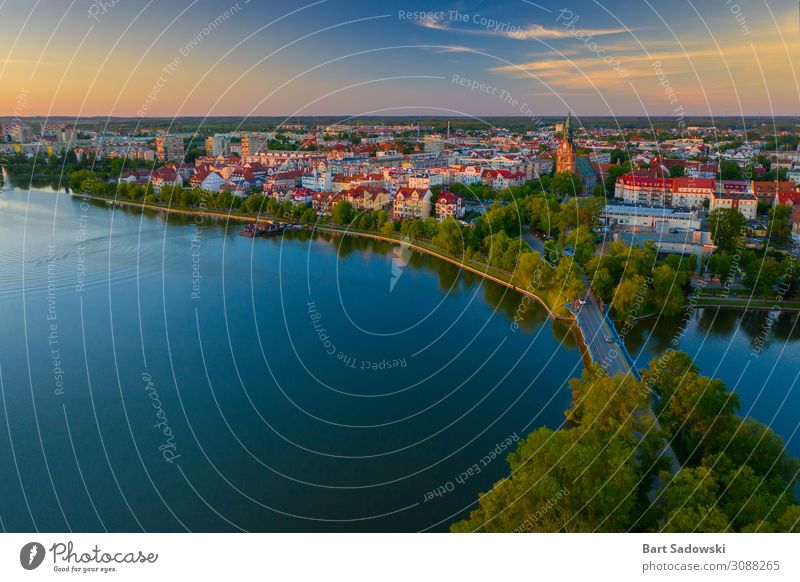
[{"x": 567, "y": 125}]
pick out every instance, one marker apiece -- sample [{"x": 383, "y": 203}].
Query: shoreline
[
  {"x": 374, "y": 236},
  {"x": 331, "y": 229},
  {"x": 417, "y": 246},
  {"x": 460, "y": 264}
]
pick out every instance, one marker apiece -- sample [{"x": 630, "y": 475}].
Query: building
[
  {"x": 300, "y": 196},
  {"x": 212, "y": 182},
  {"x": 169, "y": 147},
  {"x": 600, "y": 157},
  {"x": 642, "y": 217},
  {"x": 692, "y": 192},
  {"x": 700, "y": 170},
  {"x": 412, "y": 203},
  {"x": 768, "y": 190},
  {"x": 541, "y": 166},
  {"x": 252, "y": 143},
  {"x": 566, "y": 160},
  {"x": 166, "y": 176},
  {"x": 425, "y": 180},
  {"x": 433, "y": 143},
  {"x": 787, "y": 198},
  {"x": 682, "y": 242},
  {"x": 500, "y": 179},
  {"x": 285, "y": 180},
  {"x": 745, "y": 202},
  {"x": 586, "y": 174},
  {"x": 21, "y": 132},
  {"x": 218, "y": 145},
  {"x": 368, "y": 198},
  {"x": 449, "y": 205},
  {"x": 634, "y": 189},
  {"x": 323, "y": 202},
  {"x": 317, "y": 180}
]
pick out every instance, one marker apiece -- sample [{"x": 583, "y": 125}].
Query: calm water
[
  {"x": 758, "y": 359},
  {"x": 161, "y": 375}
]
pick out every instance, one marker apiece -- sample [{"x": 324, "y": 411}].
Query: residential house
[
  {"x": 635, "y": 189},
  {"x": 796, "y": 224},
  {"x": 692, "y": 192},
  {"x": 449, "y": 205},
  {"x": 368, "y": 198},
  {"x": 166, "y": 176},
  {"x": 323, "y": 202},
  {"x": 745, "y": 202},
  {"x": 412, "y": 203},
  {"x": 212, "y": 182},
  {"x": 768, "y": 190}
]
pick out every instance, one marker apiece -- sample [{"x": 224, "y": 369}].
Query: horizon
[{"x": 356, "y": 117}]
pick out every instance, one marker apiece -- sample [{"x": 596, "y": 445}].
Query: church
[{"x": 568, "y": 161}]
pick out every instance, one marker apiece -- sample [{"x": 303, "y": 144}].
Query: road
[
  {"x": 594, "y": 326},
  {"x": 601, "y": 339},
  {"x": 608, "y": 350}
]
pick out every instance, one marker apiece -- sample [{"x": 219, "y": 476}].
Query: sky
[{"x": 349, "y": 58}]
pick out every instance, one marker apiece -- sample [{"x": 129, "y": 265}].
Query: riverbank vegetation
[
  {"x": 603, "y": 472},
  {"x": 61, "y": 169},
  {"x": 635, "y": 282},
  {"x": 493, "y": 241}
]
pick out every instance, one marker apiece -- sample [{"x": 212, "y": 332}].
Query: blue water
[
  {"x": 162, "y": 375},
  {"x": 758, "y": 360}
]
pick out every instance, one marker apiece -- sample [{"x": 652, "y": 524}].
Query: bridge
[{"x": 607, "y": 348}]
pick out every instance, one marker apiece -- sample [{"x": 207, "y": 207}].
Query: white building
[
  {"x": 636, "y": 217},
  {"x": 212, "y": 182},
  {"x": 318, "y": 181},
  {"x": 745, "y": 202},
  {"x": 423, "y": 181}
]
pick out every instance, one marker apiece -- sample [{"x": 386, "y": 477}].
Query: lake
[
  {"x": 756, "y": 354},
  {"x": 161, "y": 373}
]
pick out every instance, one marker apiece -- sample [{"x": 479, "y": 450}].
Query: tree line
[{"x": 603, "y": 471}]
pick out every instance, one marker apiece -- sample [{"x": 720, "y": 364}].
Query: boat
[
  {"x": 262, "y": 229},
  {"x": 250, "y": 230}
]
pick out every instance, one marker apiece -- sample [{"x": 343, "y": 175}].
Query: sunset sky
[{"x": 337, "y": 57}]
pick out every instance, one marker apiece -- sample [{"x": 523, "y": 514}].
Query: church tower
[{"x": 566, "y": 160}]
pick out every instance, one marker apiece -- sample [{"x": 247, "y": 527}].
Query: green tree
[
  {"x": 543, "y": 212},
  {"x": 667, "y": 293},
  {"x": 727, "y": 227},
  {"x": 761, "y": 276},
  {"x": 730, "y": 170},
  {"x": 603, "y": 284},
  {"x": 565, "y": 184},
  {"x": 449, "y": 237},
  {"x": 309, "y": 216},
  {"x": 779, "y": 228},
  {"x": 532, "y": 272},
  {"x": 342, "y": 213},
  {"x": 676, "y": 171},
  {"x": 631, "y": 293}
]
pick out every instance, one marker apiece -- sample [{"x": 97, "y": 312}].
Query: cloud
[
  {"x": 540, "y": 31},
  {"x": 457, "y": 48},
  {"x": 507, "y": 30},
  {"x": 704, "y": 77}
]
